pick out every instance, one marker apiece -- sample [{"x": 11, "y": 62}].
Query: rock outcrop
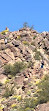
[{"x": 30, "y": 47}]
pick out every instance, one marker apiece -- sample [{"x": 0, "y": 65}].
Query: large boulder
[{"x": 43, "y": 107}]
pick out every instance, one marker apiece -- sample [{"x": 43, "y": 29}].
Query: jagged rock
[
  {"x": 2, "y": 47},
  {"x": 1, "y": 41},
  {"x": 46, "y": 42},
  {"x": 15, "y": 50},
  {"x": 2, "y": 78},
  {"x": 16, "y": 43},
  {"x": 43, "y": 107},
  {"x": 2, "y": 36},
  {"x": 25, "y": 82}
]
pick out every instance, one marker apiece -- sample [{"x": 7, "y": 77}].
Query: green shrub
[
  {"x": 4, "y": 32},
  {"x": 8, "y": 92},
  {"x": 34, "y": 37},
  {"x": 28, "y": 109},
  {"x": 19, "y": 98},
  {"x": 15, "y": 68},
  {"x": 8, "y": 69},
  {"x": 43, "y": 93},
  {"x": 35, "y": 50},
  {"x": 32, "y": 27},
  {"x": 19, "y": 37},
  {"x": 37, "y": 55},
  {"x": 31, "y": 102},
  {"x": 25, "y": 43},
  {"x": 30, "y": 64},
  {"x": 32, "y": 43},
  {"x": 29, "y": 93},
  {"x": 25, "y": 25},
  {"x": 14, "y": 106}
]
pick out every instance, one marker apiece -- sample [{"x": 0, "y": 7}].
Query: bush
[
  {"x": 32, "y": 43},
  {"x": 25, "y": 25},
  {"x": 31, "y": 102},
  {"x": 43, "y": 93},
  {"x": 19, "y": 98},
  {"x": 14, "y": 106},
  {"x": 37, "y": 55},
  {"x": 34, "y": 37},
  {"x": 18, "y": 37},
  {"x": 8, "y": 92},
  {"x": 25, "y": 42},
  {"x": 28, "y": 109},
  {"x": 4, "y": 32},
  {"x": 7, "y": 69},
  {"x": 15, "y": 68},
  {"x": 30, "y": 64}
]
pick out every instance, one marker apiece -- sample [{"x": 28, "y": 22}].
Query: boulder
[
  {"x": 16, "y": 43},
  {"x": 43, "y": 107},
  {"x": 25, "y": 82},
  {"x": 3, "y": 78}
]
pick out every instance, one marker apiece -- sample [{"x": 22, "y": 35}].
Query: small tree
[
  {"x": 32, "y": 27},
  {"x": 25, "y": 25},
  {"x": 43, "y": 93},
  {"x": 17, "y": 67}
]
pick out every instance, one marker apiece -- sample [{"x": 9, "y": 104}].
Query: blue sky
[{"x": 13, "y": 13}]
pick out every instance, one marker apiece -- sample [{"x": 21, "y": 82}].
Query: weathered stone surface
[
  {"x": 2, "y": 78},
  {"x": 15, "y": 50},
  {"x": 25, "y": 82},
  {"x": 43, "y": 107},
  {"x": 16, "y": 43}
]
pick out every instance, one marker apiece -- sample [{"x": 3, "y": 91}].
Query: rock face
[
  {"x": 43, "y": 107},
  {"x": 30, "y": 47}
]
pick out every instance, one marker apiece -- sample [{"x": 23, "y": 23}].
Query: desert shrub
[
  {"x": 32, "y": 43},
  {"x": 30, "y": 102},
  {"x": 29, "y": 109},
  {"x": 18, "y": 37},
  {"x": 19, "y": 66},
  {"x": 43, "y": 93},
  {"x": 4, "y": 32},
  {"x": 19, "y": 98},
  {"x": 14, "y": 106},
  {"x": 33, "y": 103},
  {"x": 27, "y": 102},
  {"x": 7, "y": 69},
  {"x": 37, "y": 55},
  {"x": 25, "y": 43},
  {"x": 32, "y": 27},
  {"x": 30, "y": 64},
  {"x": 15, "y": 68},
  {"x": 34, "y": 37},
  {"x": 29, "y": 93},
  {"x": 8, "y": 92},
  {"x": 35, "y": 50},
  {"x": 25, "y": 25}
]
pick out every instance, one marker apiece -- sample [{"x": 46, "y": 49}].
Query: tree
[{"x": 25, "y": 25}]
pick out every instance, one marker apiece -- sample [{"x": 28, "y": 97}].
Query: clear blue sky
[{"x": 13, "y": 13}]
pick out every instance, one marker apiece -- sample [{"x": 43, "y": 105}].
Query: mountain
[{"x": 21, "y": 56}]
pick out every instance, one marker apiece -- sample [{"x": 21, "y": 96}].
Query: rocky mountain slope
[{"x": 24, "y": 46}]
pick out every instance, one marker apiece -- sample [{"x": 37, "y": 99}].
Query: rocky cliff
[{"x": 29, "y": 47}]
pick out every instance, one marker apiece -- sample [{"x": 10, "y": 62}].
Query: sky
[{"x": 13, "y": 14}]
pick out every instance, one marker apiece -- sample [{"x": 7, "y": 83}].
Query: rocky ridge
[{"x": 24, "y": 45}]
